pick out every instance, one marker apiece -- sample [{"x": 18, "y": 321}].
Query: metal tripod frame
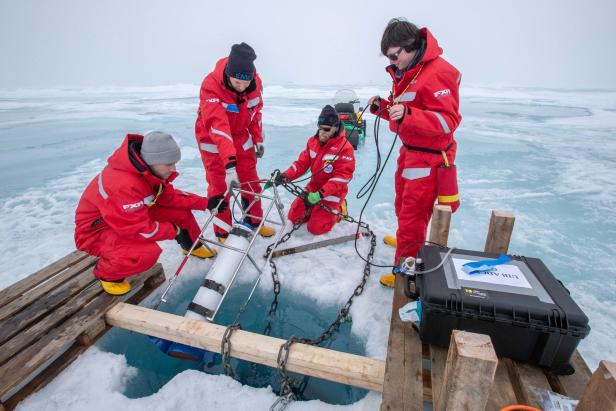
[{"x": 274, "y": 202}]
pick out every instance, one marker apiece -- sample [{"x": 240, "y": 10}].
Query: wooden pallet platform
[
  {"x": 50, "y": 317},
  {"x": 409, "y": 363}
]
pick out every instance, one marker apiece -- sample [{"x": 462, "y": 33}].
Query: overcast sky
[{"x": 75, "y": 43}]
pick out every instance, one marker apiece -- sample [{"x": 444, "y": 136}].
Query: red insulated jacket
[
  {"x": 228, "y": 122},
  {"x": 119, "y": 197},
  {"x": 430, "y": 91},
  {"x": 332, "y": 165}
]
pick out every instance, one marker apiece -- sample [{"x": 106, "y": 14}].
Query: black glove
[
  {"x": 183, "y": 238},
  {"x": 376, "y": 105},
  {"x": 212, "y": 202},
  {"x": 259, "y": 150}
]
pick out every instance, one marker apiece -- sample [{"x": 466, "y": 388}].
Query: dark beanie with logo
[
  {"x": 241, "y": 62},
  {"x": 329, "y": 117}
]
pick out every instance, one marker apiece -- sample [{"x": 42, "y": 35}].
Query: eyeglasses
[
  {"x": 394, "y": 56},
  {"x": 326, "y": 129}
]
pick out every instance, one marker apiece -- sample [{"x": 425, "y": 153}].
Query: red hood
[
  {"x": 433, "y": 50},
  {"x": 127, "y": 158},
  {"x": 219, "y": 70}
]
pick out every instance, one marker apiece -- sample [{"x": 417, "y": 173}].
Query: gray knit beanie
[{"x": 159, "y": 148}]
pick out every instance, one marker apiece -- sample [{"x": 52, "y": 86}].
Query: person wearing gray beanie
[
  {"x": 159, "y": 148},
  {"x": 132, "y": 204}
]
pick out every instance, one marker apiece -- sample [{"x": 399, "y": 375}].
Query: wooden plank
[
  {"x": 439, "y": 226},
  {"x": 43, "y": 305},
  {"x": 438, "y": 357},
  {"x": 33, "y": 295},
  {"x": 499, "y": 232},
  {"x": 502, "y": 392},
  {"x": 403, "y": 381},
  {"x": 80, "y": 345},
  {"x": 572, "y": 385},
  {"x": 469, "y": 372},
  {"x": 528, "y": 381},
  {"x": 37, "y": 354},
  {"x": 305, "y": 359},
  {"x": 600, "y": 394},
  {"x": 17, "y": 289},
  {"x": 26, "y": 337}
]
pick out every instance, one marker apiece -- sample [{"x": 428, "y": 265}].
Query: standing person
[
  {"x": 423, "y": 110},
  {"x": 230, "y": 135},
  {"x": 331, "y": 160},
  {"x": 131, "y": 204}
]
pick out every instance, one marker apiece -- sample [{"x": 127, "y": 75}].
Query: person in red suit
[
  {"x": 331, "y": 160},
  {"x": 131, "y": 204},
  {"x": 423, "y": 110},
  {"x": 230, "y": 134}
]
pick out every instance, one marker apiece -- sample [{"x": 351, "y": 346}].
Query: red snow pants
[
  {"x": 120, "y": 257},
  {"x": 320, "y": 221},
  {"x": 246, "y": 167}
]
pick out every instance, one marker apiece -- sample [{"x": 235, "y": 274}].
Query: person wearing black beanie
[
  {"x": 331, "y": 160},
  {"x": 241, "y": 62},
  {"x": 230, "y": 134}
]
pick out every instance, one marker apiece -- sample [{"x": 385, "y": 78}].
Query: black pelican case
[{"x": 526, "y": 311}]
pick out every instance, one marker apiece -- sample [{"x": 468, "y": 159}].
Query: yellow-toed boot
[
  {"x": 391, "y": 240},
  {"x": 266, "y": 231},
  {"x": 388, "y": 280},
  {"x": 119, "y": 287},
  {"x": 343, "y": 209},
  {"x": 201, "y": 252}
]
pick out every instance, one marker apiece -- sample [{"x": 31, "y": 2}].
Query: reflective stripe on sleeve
[
  {"x": 341, "y": 180},
  {"x": 253, "y": 102},
  {"x": 101, "y": 190},
  {"x": 248, "y": 144},
  {"x": 150, "y": 235},
  {"x": 441, "y": 119}
]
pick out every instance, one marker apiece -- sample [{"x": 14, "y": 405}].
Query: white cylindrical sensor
[{"x": 220, "y": 275}]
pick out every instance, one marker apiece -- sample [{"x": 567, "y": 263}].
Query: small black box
[{"x": 526, "y": 311}]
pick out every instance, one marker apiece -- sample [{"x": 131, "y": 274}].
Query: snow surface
[{"x": 546, "y": 155}]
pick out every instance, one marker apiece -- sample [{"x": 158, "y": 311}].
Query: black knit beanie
[
  {"x": 329, "y": 117},
  {"x": 240, "y": 64}
]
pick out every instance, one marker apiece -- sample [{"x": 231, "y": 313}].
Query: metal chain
[
  {"x": 275, "y": 277},
  {"x": 286, "y": 383},
  {"x": 225, "y": 348}
]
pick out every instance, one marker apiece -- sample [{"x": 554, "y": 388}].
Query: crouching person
[
  {"x": 331, "y": 160},
  {"x": 131, "y": 204}
]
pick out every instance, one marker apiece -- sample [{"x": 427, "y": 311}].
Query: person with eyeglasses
[
  {"x": 422, "y": 110},
  {"x": 230, "y": 134},
  {"x": 131, "y": 204},
  {"x": 331, "y": 160}
]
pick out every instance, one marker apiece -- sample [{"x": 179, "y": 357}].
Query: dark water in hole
[{"x": 296, "y": 315}]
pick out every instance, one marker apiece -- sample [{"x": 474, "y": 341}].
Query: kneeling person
[
  {"x": 331, "y": 160},
  {"x": 131, "y": 204}
]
